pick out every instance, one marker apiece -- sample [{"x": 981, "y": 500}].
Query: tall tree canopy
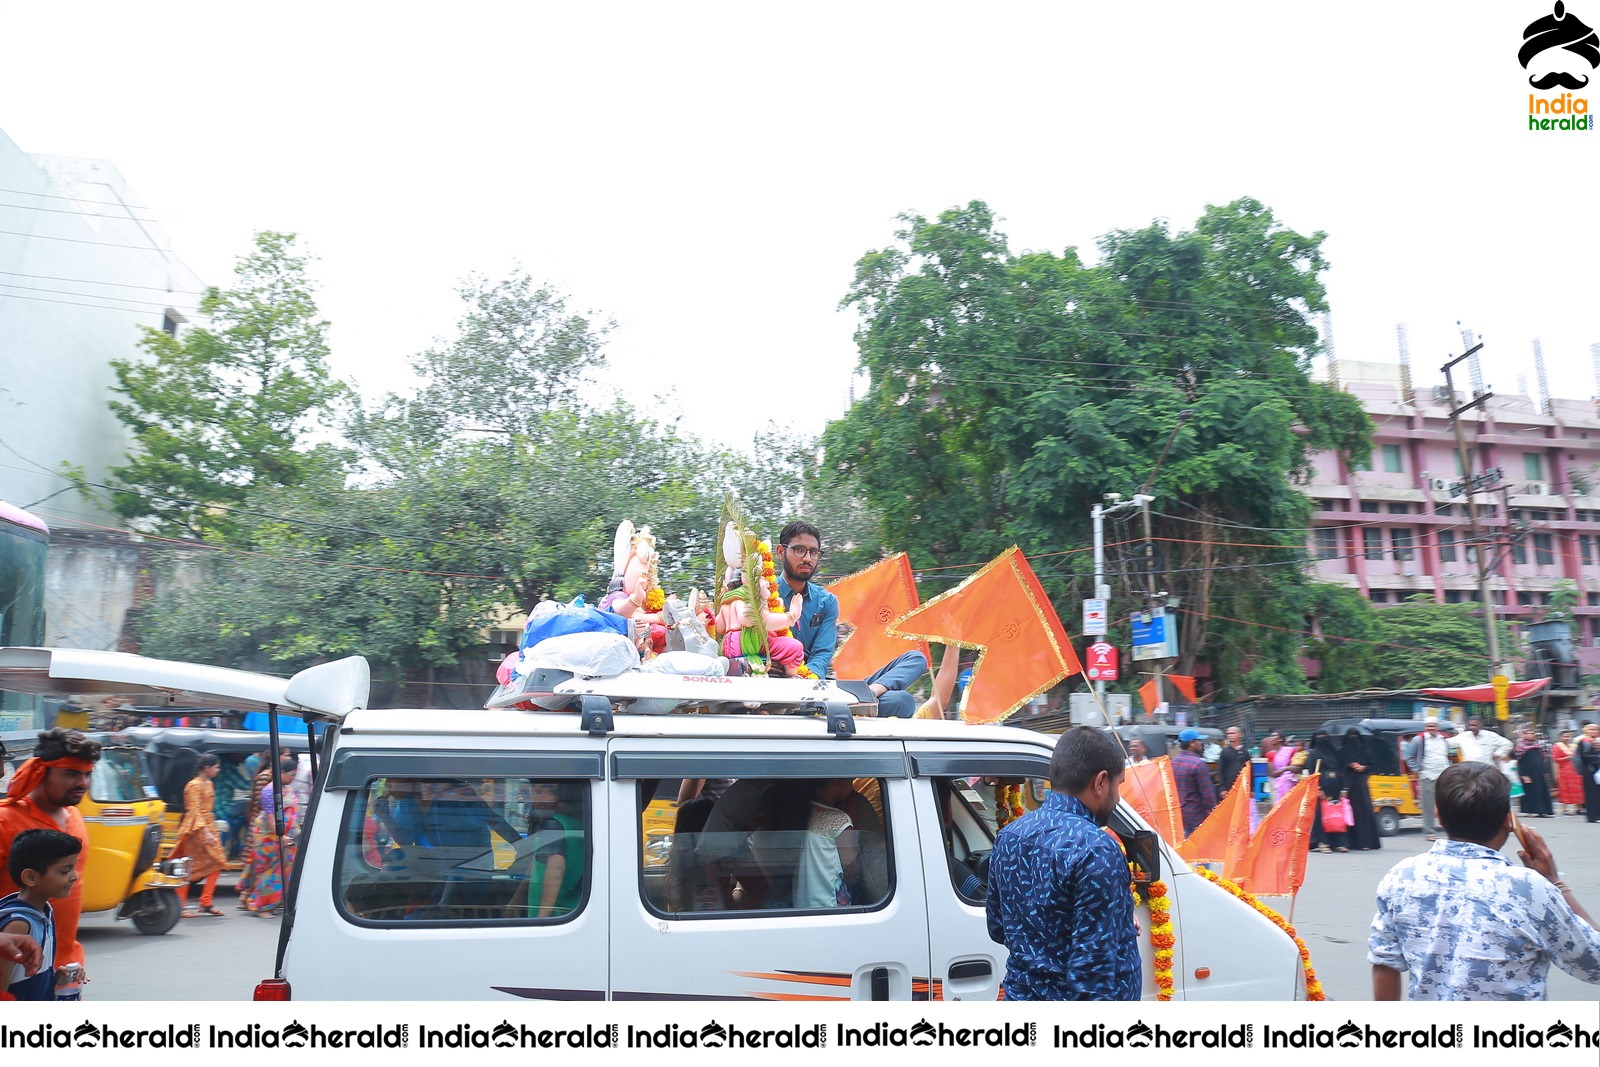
[
  {"x": 1008, "y": 393},
  {"x": 231, "y": 404}
]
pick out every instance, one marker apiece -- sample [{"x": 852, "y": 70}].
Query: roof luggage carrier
[{"x": 650, "y": 693}]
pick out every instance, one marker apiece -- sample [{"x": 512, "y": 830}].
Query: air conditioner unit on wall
[
  {"x": 1441, "y": 394},
  {"x": 1537, "y": 488}
]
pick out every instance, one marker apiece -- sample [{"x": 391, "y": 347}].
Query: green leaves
[{"x": 1007, "y": 393}]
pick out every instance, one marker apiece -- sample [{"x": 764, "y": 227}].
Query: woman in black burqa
[{"x": 1356, "y": 766}]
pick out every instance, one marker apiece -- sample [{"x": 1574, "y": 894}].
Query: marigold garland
[
  {"x": 1314, "y": 989},
  {"x": 1007, "y": 804},
  {"x": 1162, "y": 937}
]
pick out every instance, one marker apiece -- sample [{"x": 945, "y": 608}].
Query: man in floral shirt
[
  {"x": 1059, "y": 891},
  {"x": 1466, "y": 922}
]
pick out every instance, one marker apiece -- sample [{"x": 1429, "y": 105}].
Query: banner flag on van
[
  {"x": 870, "y": 600},
  {"x": 1225, "y": 833},
  {"x": 1001, "y": 611},
  {"x": 1275, "y": 862},
  {"x": 1151, "y": 789}
]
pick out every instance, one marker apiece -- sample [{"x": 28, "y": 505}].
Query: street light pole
[{"x": 1101, "y": 590}]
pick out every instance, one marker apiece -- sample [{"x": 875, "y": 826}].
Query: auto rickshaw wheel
[
  {"x": 1388, "y": 822},
  {"x": 158, "y": 913}
]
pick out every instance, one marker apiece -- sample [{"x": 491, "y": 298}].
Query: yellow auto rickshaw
[{"x": 123, "y": 817}]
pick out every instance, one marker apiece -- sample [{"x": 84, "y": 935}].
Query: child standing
[{"x": 45, "y": 864}]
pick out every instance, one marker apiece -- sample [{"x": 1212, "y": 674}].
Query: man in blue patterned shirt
[
  {"x": 1059, "y": 890},
  {"x": 1467, "y": 922}
]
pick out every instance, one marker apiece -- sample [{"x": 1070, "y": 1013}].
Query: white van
[{"x": 427, "y": 868}]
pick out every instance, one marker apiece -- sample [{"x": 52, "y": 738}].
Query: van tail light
[{"x": 272, "y": 989}]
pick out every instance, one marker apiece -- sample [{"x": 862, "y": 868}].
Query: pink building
[{"x": 1396, "y": 528}]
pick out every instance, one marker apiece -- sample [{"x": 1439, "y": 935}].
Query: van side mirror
[{"x": 1142, "y": 846}]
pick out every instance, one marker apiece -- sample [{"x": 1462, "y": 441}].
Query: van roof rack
[{"x": 651, "y": 693}]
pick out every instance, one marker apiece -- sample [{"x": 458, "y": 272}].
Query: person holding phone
[{"x": 1464, "y": 921}]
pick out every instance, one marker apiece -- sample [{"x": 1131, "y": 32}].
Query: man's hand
[
  {"x": 1536, "y": 854},
  {"x": 20, "y": 948}
]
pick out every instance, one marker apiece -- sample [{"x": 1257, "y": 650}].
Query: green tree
[
  {"x": 233, "y": 404},
  {"x": 518, "y": 354},
  {"x": 1006, "y": 394},
  {"x": 1427, "y": 645}
]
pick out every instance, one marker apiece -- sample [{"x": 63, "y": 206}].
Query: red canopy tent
[{"x": 1484, "y": 694}]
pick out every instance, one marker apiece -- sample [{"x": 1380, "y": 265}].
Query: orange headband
[{"x": 31, "y": 773}]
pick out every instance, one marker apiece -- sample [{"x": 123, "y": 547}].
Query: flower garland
[
  {"x": 1163, "y": 938},
  {"x": 1007, "y": 805},
  {"x": 1314, "y": 989},
  {"x": 775, "y": 603}
]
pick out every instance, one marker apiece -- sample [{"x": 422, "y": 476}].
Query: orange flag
[
  {"x": 1003, "y": 612},
  {"x": 1176, "y": 686},
  {"x": 1152, "y": 791},
  {"x": 1274, "y": 864},
  {"x": 1223, "y": 836},
  {"x": 870, "y": 600}
]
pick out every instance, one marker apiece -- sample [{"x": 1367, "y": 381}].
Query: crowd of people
[{"x": 1458, "y": 922}]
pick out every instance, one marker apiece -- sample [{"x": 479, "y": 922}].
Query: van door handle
[
  {"x": 880, "y": 983},
  {"x": 970, "y": 969}
]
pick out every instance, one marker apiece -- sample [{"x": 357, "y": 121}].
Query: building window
[
  {"x": 1391, "y": 459},
  {"x": 1401, "y": 538},
  {"x": 1447, "y": 546},
  {"x": 1586, "y": 550},
  {"x": 1380, "y": 596},
  {"x": 1443, "y": 509},
  {"x": 1399, "y": 509},
  {"x": 1519, "y": 552},
  {"x": 1525, "y": 600},
  {"x": 1533, "y": 465},
  {"x": 1538, "y": 516},
  {"x": 1371, "y": 507},
  {"x": 1592, "y": 599},
  {"x": 1374, "y": 542},
  {"x": 1361, "y": 464},
  {"x": 1452, "y": 596},
  {"x": 1327, "y": 539},
  {"x": 1544, "y": 550}
]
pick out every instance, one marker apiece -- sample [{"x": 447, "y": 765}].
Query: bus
[{"x": 24, "y": 539}]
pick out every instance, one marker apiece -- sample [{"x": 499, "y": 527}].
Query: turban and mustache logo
[{"x": 1559, "y": 30}]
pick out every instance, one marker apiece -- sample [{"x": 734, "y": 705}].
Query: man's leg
[
  {"x": 1425, "y": 788},
  {"x": 896, "y": 677}
]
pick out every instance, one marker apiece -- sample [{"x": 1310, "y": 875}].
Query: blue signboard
[{"x": 1153, "y": 632}]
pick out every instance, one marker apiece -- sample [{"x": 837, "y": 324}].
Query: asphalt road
[{"x": 222, "y": 959}]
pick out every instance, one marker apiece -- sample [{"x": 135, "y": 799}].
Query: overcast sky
[{"x": 708, "y": 174}]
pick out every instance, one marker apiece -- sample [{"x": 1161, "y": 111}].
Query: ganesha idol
[
  {"x": 750, "y": 618},
  {"x": 635, "y": 590}
]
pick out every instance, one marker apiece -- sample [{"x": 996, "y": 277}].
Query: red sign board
[{"x": 1101, "y": 663}]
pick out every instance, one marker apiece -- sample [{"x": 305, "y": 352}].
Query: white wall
[{"x": 82, "y": 266}]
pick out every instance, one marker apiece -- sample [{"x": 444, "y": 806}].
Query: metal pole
[
  {"x": 1490, "y": 621},
  {"x": 1098, "y": 513}
]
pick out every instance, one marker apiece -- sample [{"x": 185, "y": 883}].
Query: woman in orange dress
[
  {"x": 198, "y": 838},
  {"x": 1569, "y": 787}
]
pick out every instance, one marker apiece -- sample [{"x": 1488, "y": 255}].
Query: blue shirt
[
  {"x": 1468, "y": 924},
  {"x": 1061, "y": 901},
  {"x": 818, "y": 628}
]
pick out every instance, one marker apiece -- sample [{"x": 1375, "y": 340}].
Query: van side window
[
  {"x": 457, "y": 850},
  {"x": 763, "y": 845},
  {"x": 969, "y": 817}
]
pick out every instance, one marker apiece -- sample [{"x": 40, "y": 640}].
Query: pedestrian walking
[
  {"x": 1428, "y": 754},
  {"x": 1533, "y": 769},
  {"x": 198, "y": 838}
]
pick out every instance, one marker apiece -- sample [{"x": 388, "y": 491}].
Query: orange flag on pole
[
  {"x": 1152, "y": 791},
  {"x": 870, "y": 600},
  {"x": 1003, "y": 612},
  {"x": 1225, "y": 834},
  {"x": 1275, "y": 862}
]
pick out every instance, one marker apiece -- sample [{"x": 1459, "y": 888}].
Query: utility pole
[
  {"x": 1102, "y": 591},
  {"x": 1470, "y": 487}
]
